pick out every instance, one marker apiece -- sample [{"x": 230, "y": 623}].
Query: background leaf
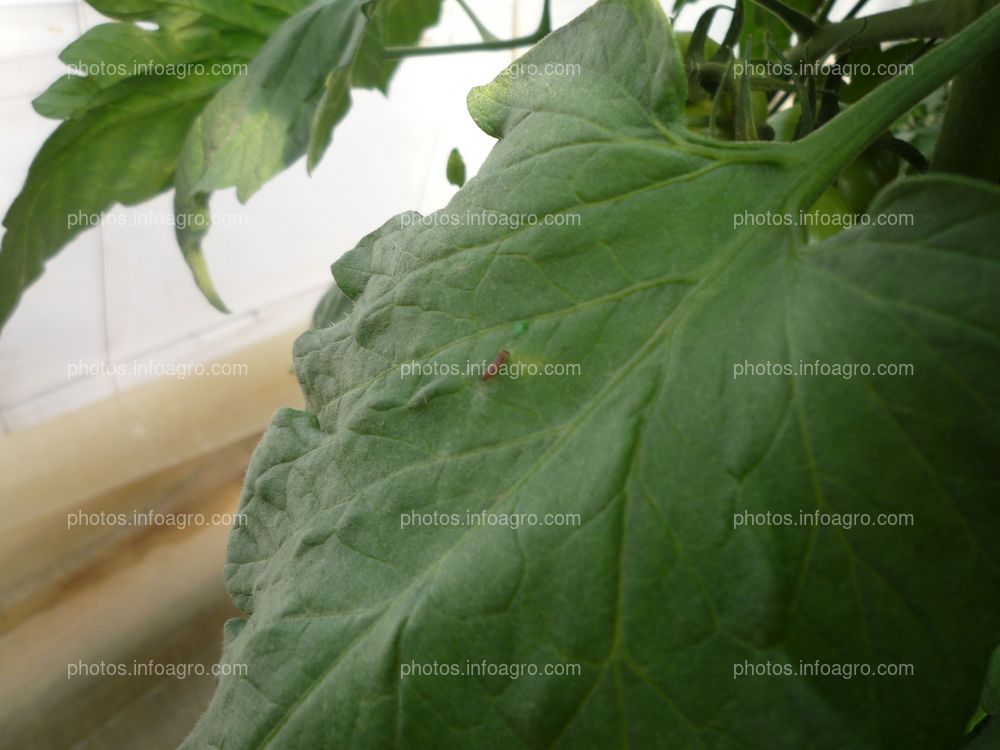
[
  {"x": 123, "y": 131},
  {"x": 121, "y": 151},
  {"x": 130, "y": 133},
  {"x": 392, "y": 23},
  {"x": 297, "y": 90}
]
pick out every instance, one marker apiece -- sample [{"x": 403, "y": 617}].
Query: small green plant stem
[
  {"x": 484, "y": 33},
  {"x": 544, "y": 28}
]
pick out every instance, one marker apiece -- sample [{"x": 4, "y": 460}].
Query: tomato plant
[{"x": 744, "y": 494}]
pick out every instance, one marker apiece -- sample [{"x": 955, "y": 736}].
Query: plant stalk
[
  {"x": 969, "y": 143},
  {"x": 485, "y": 34},
  {"x": 860, "y": 125}
]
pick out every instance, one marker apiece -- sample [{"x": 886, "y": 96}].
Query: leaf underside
[{"x": 656, "y": 296}]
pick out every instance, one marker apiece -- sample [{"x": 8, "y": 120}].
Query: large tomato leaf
[{"x": 357, "y": 614}]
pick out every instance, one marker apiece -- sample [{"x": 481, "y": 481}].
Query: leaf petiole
[
  {"x": 543, "y": 30},
  {"x": 834, "y": 146},
  {"x": 486, "y": 34}
]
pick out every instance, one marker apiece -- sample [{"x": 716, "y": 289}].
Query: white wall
[{"x": 121, "y": 294}]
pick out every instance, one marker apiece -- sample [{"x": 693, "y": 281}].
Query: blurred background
[{"x": 104, "y": 417}]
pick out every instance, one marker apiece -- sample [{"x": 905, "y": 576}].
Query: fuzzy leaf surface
[{"x": 656, "y": 593}]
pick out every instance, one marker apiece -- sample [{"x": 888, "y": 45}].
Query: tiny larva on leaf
[{"x": 494, "y": 367}]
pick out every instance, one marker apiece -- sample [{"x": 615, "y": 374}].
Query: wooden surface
[{"x": 122, "y": 594}]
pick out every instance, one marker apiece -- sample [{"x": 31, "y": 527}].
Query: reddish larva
[{"x": 494, "y": 367}]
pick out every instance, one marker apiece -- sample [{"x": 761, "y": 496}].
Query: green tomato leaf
[
  {"x": 261, "y": 122},
  {"x": 122, "y": 149},
  {"x": 153, "y": 111},
  {"x": 391, "y": 23},
  {"x": 267, "y": 114},
  {"x": 358, "y": 609},
  {"x": 125, "y": 122},
  {"x": 332, "y": 108},
  {"x": 296, "y": 91},
  {"x": 114, "y": 52}
]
